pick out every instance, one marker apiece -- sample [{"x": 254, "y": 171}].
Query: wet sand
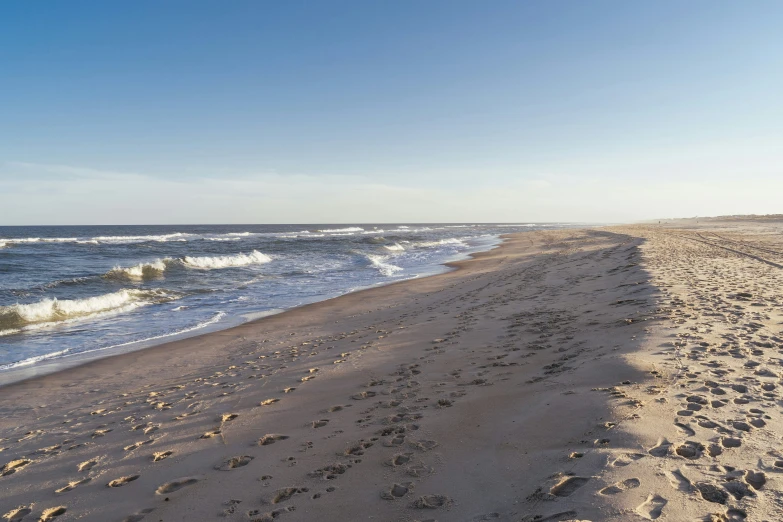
[{"x": 596, "y": 374}]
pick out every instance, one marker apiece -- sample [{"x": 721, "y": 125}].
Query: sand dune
[{"x": 625, "y": 373}]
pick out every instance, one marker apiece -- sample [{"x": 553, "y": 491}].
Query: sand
[{"x": 623, "y": 373}]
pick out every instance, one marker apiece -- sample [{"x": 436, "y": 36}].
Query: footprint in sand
[
  {"x": 397, "y": 440},
  {"x": 52, "y": 513},
  {"x": 17, "y": 514},
  {"x": 257, "y": 516},
  {"x": 679, "y": 481},
  {"x": 555, "y": 517},
  {"x": 137, "y": 445},
  {"x": 756, "y": 479},
  {"x": 424, "y": 445},
  {"x": 685, "y": 429},
  {"x": 329, "y": 472},
  {"x": 432, "y": 502},
  {"x": 137, "y": 517},
  {"x": 175, "y": 485},
  {"x": 87, "y": 465},
  {"x": 399, "y": 459},
  {"x": 626, "y": 459},
  {"x": 397, "y": 491},
  {"x": 652, "y": 508},
  {"x": 271, "y": 438},
  {"x": 281, "y": 495},
  {"x": 619, "y": 487},
  {"x": 228, "y": 417},
  {"x": 358, "y": 448},
  {"x": 160, "y": 455},
  {"x": 116, "y": 483},
  {"x": 14, "y": 466},
  {"x": 320, "y": 423},
  {"x": 661, "y": 449},
  {"x": 234, "y": 462},
  {"x": 72, "y": 485},
  {"x": 739, "y": 490},
  {"x": 690, "y": 450},
  {"x": 363, "y": 395},
  {"x": 567, "y": 486},
  {"x": 712, "y": 493},
  {"x": 419, "y": 470},
  {"x": 211, "y": 434},
  {"x": 267, "y": 402}
]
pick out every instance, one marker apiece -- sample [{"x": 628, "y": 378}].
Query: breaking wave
[
  {"x": 396, "y": 247},
  {"x": 122, "y": 240},
  {"x": 442, "y": 242},
  {"x": 335, "y": 230},
  {"x": 379, "y": 262},
  {"x": 140, "y": 271},
  {"x": 156, "y": 268},
  {"x": 53, "y": 311},
  {"x": 208, "y": 263}
]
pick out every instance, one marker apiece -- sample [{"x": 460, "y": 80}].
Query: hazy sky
[{"x": 376, "y": 111}]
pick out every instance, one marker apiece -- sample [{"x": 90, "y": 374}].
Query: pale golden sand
[{"x": 627, "y": 373}]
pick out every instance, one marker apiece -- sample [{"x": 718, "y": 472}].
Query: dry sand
[{"x": 625, "y": 373}]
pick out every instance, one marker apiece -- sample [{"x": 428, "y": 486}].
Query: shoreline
[
  {"x": 63, "y": 364},
  {"x": 611, "y": 374}
]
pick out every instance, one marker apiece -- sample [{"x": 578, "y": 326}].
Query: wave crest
[
  {"x": 442, "y": 242},
  {"x": 50, "y": 311},
  {"x": 348, "y": 229},
  {"x": 208, "y": 263},
  {"x": 140, "y": 271},
  {"x": 379, "y": 262}
]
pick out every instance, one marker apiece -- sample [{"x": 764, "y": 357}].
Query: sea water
[{"x": 71, "y": 291}]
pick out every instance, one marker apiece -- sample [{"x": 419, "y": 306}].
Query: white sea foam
[
  {"x": 50, "y": 311},
  {"x": 379, "y": 262},
  {"x": 396, "y": 247},
  {"x": 140, "y": 271},
  {"x": 443, "y": 242},
  {"x": 120, "y": 240},
  {"x": 214, "y": 319},
  {"x": 348, "y": 229},
  {"x": 208, "y": 263},
  {"x": 33, "y": 360},
  {"x": 62, "y": 353},
  {"x": 137, "y": 239}
]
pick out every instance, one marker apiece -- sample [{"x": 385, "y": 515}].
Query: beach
[{"x": 613, "y": 373}]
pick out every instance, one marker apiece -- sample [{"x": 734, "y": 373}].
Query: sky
[{"x": 152, "y": 112}]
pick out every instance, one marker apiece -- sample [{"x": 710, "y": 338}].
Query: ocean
[{"x": 71, "y": 292}]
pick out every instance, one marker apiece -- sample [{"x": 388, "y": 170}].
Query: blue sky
[{"x": 351, "y": 111}]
